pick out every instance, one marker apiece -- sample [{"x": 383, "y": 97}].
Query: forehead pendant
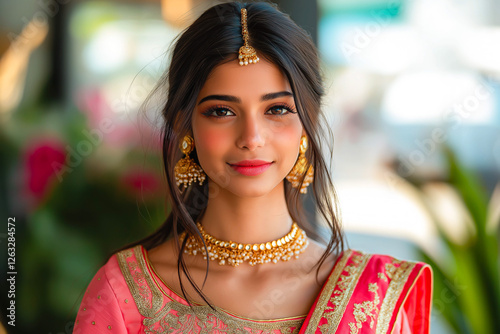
[{"x": 247, "y": 54}]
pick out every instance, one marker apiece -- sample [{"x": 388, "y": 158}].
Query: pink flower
[
  {"x": 145, "y": 184},
  {"x": 43, "y": 161}
]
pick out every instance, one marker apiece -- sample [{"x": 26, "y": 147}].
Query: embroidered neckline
[{"x": 289, "y": 321}]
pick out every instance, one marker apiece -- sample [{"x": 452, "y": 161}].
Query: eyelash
[{"x": 210, "y": 111}]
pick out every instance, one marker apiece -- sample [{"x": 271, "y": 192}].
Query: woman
[{"x": 243, "y": 106}]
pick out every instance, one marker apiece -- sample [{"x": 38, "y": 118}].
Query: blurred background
[{"x": 413, "y": 98}]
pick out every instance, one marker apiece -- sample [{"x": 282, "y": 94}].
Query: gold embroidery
[
  {"x": 127, "y": 253},
  {"x": 398, "y": 272},
  {"x": 177, "y": 317},
  {"x": 340, "y": 298},
  {"x": 365, "y": 310},
  {"x": 148, "y": 298},
  {"x": 158, "y": 279},
  {"x": 382, "y": 276},
  {"x": 335, "y": 296},
  {"x": 327, "y": 292},
  {"x": 186, "y": 318},
  {"x": 180, "y": 318}
]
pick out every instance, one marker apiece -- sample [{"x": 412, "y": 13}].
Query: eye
[
  {"x": 280, "y": 110},
  {"x": 218, "y": 112}
]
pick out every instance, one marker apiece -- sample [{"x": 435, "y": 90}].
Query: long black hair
[{"x": 214, "y": 38}]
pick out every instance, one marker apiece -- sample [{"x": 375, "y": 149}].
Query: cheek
[
  {"x": 210, "y": 141},
  {"x": 288, "y": 135},
  {"x": 287, "y": 141}
]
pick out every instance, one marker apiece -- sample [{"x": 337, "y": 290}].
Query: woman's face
[{"x": 246, "y": 128}]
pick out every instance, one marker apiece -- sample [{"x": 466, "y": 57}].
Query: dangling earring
[
  {"x": 299, "y": 169},
  {"x": 186, "y": 170}
]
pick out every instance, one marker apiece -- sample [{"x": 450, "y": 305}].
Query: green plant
[
  {"x": 466, "y": 275},
  {"x": 71, "y": 212}
]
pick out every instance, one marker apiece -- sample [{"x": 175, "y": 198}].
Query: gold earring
[
  {"x": 186, "y": 170},
  {"x": 299, "y": 169}
]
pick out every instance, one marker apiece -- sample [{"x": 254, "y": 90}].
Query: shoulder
[
  {"x": 385, "y": 268},
  {"x": 110, "y": 280},
  {"x": 389, "y": 268},
  {"x": 108, "y": 277},
  {"x": 381, "y": 285},
  {"x": 398, "y": 285},
  {"x": 405, "y": 288},
  {"x": 107, "y": 302}
]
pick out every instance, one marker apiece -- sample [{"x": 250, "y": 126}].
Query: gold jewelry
[
  {"x": 299, "y": 169},
  {"x": 234, "y": 254},
  {"x": 186, "y": 170},
  {"x": 247, "y": 53}
]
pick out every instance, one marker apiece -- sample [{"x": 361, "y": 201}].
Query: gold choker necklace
[{"x": 233, "y": 253}]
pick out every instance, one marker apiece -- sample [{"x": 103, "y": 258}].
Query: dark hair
[{"x": 214, "y": 38}]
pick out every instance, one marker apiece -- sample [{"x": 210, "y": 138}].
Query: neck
[{"x": 247, "y": 220}]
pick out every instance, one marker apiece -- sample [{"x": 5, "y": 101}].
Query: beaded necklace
[{"x": 234, "y": 253}]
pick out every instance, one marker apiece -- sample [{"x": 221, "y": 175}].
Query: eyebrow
[{"x": 230, "y": 98}]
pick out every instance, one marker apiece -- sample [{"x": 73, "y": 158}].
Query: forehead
[{"x": 245, "y": 81}]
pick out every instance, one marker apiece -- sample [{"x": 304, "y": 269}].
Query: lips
[{"x": 250, "y": 167}]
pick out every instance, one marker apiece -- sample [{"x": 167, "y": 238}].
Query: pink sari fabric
[
  {"x": 363, "y": 294},
  {"x": 373, "y": 294}
]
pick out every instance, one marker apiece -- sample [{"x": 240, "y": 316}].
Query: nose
[{"x": 251, "y": 133}]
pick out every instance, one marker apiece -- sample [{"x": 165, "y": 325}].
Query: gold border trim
[
  {"x": 395, "y": 288},
  {"x": 334, "y": 317},
  {"x": 339, "y": 311},
  {"x": 157, "y": 312},
  {"x": 141, "y": 301},
  {"x": 417, "y": 277},
  {"x": 327, "y": 291}
]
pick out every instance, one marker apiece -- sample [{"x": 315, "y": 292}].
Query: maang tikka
[
  {"x": 247, "y": 54},
  {"x": 299, "y": 169},
  {"x": 186, "y": 170}
]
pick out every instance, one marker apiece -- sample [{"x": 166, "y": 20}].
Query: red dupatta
[{"x": 368, "y": 293}]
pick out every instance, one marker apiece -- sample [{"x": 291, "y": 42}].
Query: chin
[
  {"x": 252, "y": 192},
  {"x": 250, "y": 188}
]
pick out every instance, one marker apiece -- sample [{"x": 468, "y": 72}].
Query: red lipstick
[{"x": 250, "y": 167}]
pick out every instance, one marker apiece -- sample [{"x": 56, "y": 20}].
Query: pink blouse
[{"x": 127, "y": 296}]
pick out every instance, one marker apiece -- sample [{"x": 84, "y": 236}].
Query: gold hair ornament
[
  {"x": 300, "y": 168},
  {"x": 186, "y": 170},
  {"x": 247, "y": 54},
  {"x": 234, "y": 254}
]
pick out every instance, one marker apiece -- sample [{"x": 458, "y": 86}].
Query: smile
[{"x": 251, "y": 167}]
